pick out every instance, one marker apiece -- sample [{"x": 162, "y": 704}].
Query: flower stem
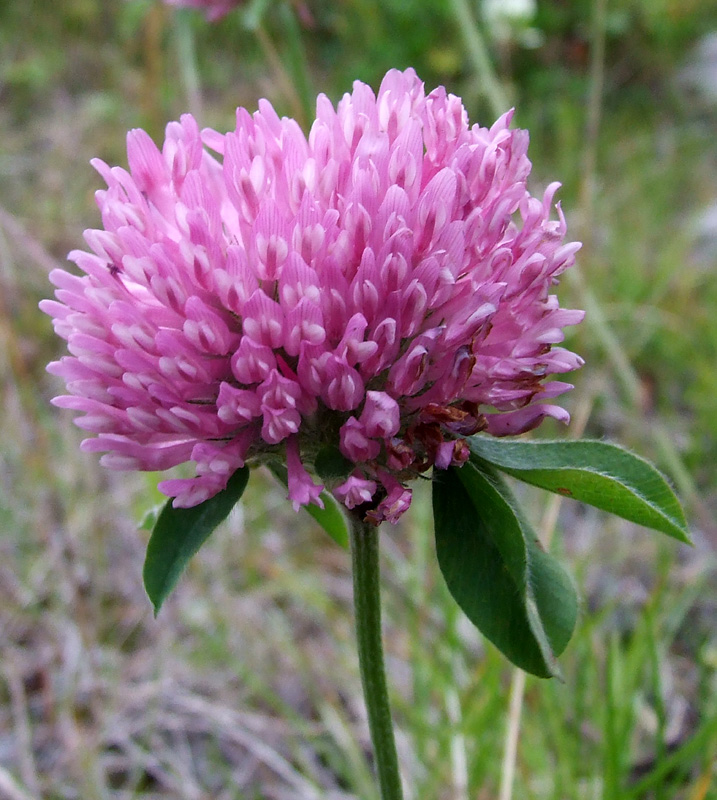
[{"x": 367, "y": 605}]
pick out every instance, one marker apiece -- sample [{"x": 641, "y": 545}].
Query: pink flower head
[
  {"x": 213, "y": 9},
  {"x": 382, "y": 286}
]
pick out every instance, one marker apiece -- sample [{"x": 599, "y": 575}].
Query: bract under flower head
[{"x": 382, "y": 287}]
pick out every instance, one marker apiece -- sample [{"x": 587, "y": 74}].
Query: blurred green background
[{"x": 247, "y": 685}]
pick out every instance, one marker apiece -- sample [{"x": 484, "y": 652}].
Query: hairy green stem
[{"x": 367, "y": 606}]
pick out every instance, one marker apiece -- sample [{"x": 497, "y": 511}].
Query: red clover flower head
[{"x": 381, "y": 288}]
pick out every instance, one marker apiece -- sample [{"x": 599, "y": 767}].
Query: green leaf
[
  {"x": 150, "y": 517},
  {"x": 331, "y": 517},
  {"x": 331, "y": 465},
  {"x": 180, "y": 532},
  {"x": 553, "y": 592},
  {"x": 516, "y": 594},
  {"x": 598, "y": 473}
]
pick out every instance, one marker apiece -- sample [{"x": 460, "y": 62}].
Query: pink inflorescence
[
  {"x": 365, "y": 290},
  {"x": 213, "y": 9}
]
